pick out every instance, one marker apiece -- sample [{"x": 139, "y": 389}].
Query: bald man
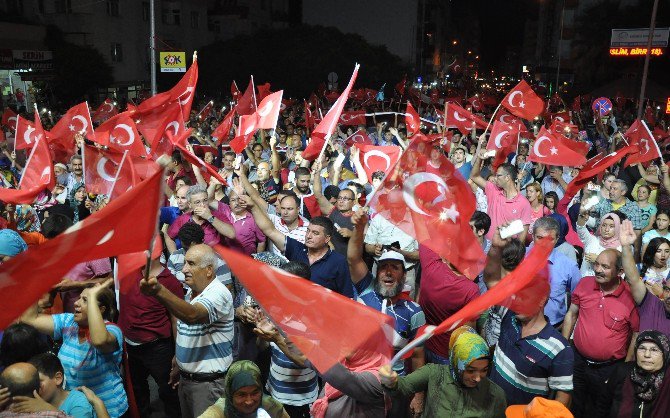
[{"x": 22, "y": 379}]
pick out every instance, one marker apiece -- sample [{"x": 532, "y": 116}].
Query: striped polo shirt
[
  {"x": 84, "y": 365},
  {"x": 297, "y": 234},
  {"x": 532, "y": 366},
  {"x": 176, "y": 264},
  {"x": 289, "y": 383},
  {"x": 208, "y": 348}
]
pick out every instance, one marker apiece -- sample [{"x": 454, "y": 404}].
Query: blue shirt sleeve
[
  {"x": 292, "y": 248},
  {"x": 364, "y": 283},
  {"x": 343, "y": 281}
]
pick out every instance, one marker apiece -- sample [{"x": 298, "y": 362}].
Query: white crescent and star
[
  {"x": 266, "y": 109},
  {"x": 188, "y": 93},
  {"x": 102, "y": 172},
  {"x": 174, "y": 125},
  {"x": 413, "y": 182},
  {"x": 111, "y": 107},
  {"x": 458, "y": 117},
  {"x": 536, "y": 147},
  {"x": 498, "y": 138},
  {"x": 511, "y": 97},
  {"x": 27, "y": 134},
  {"x": 377, "y": 153},
  {"x": 84, "y": 123},
  {"x": 128, "y": 130},
  {"x": 46, "y": 175}
]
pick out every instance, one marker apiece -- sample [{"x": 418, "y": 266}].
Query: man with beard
[
  {"x": 309, "y": 207},
  {"x": 654, "y": 311},
  {"x": 607, "y": 322},
  {"x": 385, "y": 294},
  {"x": 76, "y": 177}
]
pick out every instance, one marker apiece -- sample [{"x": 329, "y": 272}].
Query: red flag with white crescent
[
  {"x": 100, "y": 169},
  {"x": 359, "y": 137},
  {"x": 37, "y": 175},
  {"x": 464, "y": 121},
  {"x": 9, "y": 119},
  {"x": 550, "y": 149},
  {"x": 77, "y": 120},
  {"x": 352, "y": 118},
  {"x": 170, "y": 127},
  {"x": 439, "y": 203},
  {"x": 222, "y": 132},
  {"x": 119, "y": 133},
  {"x": 245, "y": 132},
  {"x": 523, "y": 102},
  {"x": 374, "y": 158},
  {"x": 27, "y": 133},
  {"x": 639, "y": 136},
  {"x": 246, "y": 105},
  {"x": 268, "y": 110},
  {"x": 105, "y": 111},
  {"x": 412, "y": 119}
]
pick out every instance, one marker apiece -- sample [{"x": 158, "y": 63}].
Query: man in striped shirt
[
  {"x": 204, "y": 330},
  {"x": 532, "y": 359}
]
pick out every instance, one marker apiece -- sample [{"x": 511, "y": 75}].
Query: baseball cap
[
  {"x": 391, "y": 255},
  {"x": 11, "y": 243},
  {"x": 539, "y": 408}
]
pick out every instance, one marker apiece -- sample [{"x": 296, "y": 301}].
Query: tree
[
  {"x": 79, "y": 70},
  {"x": 296, "y": 60}
]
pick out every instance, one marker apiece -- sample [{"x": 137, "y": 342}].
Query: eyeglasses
[{"x": 653, "y": 350}]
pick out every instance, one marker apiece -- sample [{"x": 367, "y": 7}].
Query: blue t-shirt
[{"x": 77, "y": 406}]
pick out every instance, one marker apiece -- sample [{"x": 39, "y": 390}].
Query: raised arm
[
  {"x": 251, "y": 190},
  {"x": 101, "y": 338},
  {"x": 189, "y": 313},
  {"x": 274, "y": 158},
  {"x": 264, "y": 223},
  {"x": 357, "y": 267},
  {"x": 325, "y": 206},
  {"x": 475, "y": 176},
  {"x": 360, "y": 171},
  {"x": 627, "y": 238},
  {"x": 41, "y": 322}
]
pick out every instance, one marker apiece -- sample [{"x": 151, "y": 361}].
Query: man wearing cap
[
  {"x": 385, "y": 294},
  {"x": 11, "y": 244}
]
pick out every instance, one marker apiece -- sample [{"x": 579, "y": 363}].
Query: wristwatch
[{"x": 211, "y": 219}]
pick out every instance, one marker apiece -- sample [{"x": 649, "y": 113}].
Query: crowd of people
[{"x": 599, "y": 347}]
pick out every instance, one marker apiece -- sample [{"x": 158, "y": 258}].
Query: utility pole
[
  {"x": 152, "y": 44},
  {"x": 652, "y": 26}
]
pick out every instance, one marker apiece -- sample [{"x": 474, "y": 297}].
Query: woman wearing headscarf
[
  {"x": 459, "y": 389},
  {"x": 243, "y": 395},
  {"x": 562, "y": 246},
  {"x": 640, "y": 388},
  {"x": 608, "y": 237}
]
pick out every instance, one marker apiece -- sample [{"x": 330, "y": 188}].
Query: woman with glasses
[{"x": 640, "y": 388}]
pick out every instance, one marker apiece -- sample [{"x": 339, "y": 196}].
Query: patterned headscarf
[
  {"x": 647, "y": 385},
  {"x": 240, "y": 374},
  {"x": 465, "y": 346}
]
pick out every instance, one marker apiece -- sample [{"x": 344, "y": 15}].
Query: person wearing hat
[
  {"x": 385, "y": 293},
  {"x": 639, "y": 388},
  {"x": 539, "y": 408},
  {"x": 243, "y": 395},
  {"x": 458, "y": 389},
  {"x": 11, "y": 244}
]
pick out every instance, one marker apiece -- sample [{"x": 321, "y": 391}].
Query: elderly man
[
  {"x": 328, "y": 268},
  {"x": 215, "y": 224},
  {"x": 76, "y": 177},
  {"x": 619, "y": 201},
  {"x": 248, "y": 237},
  {"x": 607, "y": 327},
  {"x": 557, "y": 181},
  {"x": 22, "y": 380},
  {"x": 204, "y": 330}
]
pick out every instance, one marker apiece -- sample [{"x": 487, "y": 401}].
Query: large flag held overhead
[
  {"x": 77, "y": 120},
  {"x": 9, "y": 119},
  {"x": 101, "y": 169},
  {"x": 550, "y": 149},
  {"x": 464, "y": 121},
  {"x": 268, "y": 110},
  {"x": 639, "y": 136},
  {"x": 119, "y": 133},
  {"x": 325, "y": 128},
  {"x": 504, "y": 140},
  {"x": 222, "y": 132},
  {"x": 412, "y": 119},
  {"x": 245, "y": 132},
  {"x": 27, "y": 132},
  {"x": 375, "y": 158},
  {"x": 311, "y": 315},
  {"x": 595, "y": 166},
  {"x": 438, "y": 201},
  {"x": 246, "y": 105},
  {"x": 523, "y": 102},
  {"x": 126, "y": 224}
]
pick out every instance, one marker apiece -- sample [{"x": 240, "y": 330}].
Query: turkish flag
[
  {"x": 563, "y": 117},
  {"x": 180, "y": 143},
  {"x": 476, "y": 103},
  {"x": 100, "y": 169},
  {"x": 439, "y": 203},
  {"x": 206, "y": 110},
  {"x": 105, "y": 111},
  {"x": 309, "y": 117},
  {"x": 9, "y": 119},
  {"x": 400, "y": 87},
  {"x": 151, "y": 124},
  {"x": 505, "y": 117},
  {"x": 640, "y": 136},
  {"x": 263, "y": 91},
  {"x": 126, "y": 177},
  {"x": 222, "y": 132},
  {"x": 595, "y": 166},
  {"x": 268, "y": 110},
  {"x": 561, "y": 128},
  {"x": 325, "y": 128},
  {"x": 184, "y": 90},
  {"x": 247, "y": 103},
  {"x": 77, "y": 120},
  {"x": 27, "y": 132},
  {"x": 352, "y": 118},
  {"x": 358, "y": 137},
  {"x": 504, "y": 140},
  {"x": 580, "y": 147},
  {"x": 234, "y": 91},
  {"x": 172, "y": 125},
  {"x": 130, "y": 263},
  {"x": 464, "y": 121},
  {"x": 245, "y": 132},
  {"x": 119, "y": 133},
  {"x": 126, "y": 224},
  {"x": 374, "y": 158},
  {"x": 412, "y": 119},
  {"x": 297, "y": 305},
  {"x": 550, "y": 149},
  {"x": 523, "y": 102}
]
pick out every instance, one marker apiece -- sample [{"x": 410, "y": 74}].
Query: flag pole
[
  {"x": 163, "y": 161},
  {"x": 253, "y": 90},
  {"x": 90, "y": 120},
  {"x": 493, "y": 116},
  {"x": 118, "y": 171}
]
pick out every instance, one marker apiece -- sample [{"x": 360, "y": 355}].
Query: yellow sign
[
  {"x": 667, "y": 106},
  {"x": 629, "y": 52},
  {"x": 173, "y": 62}
]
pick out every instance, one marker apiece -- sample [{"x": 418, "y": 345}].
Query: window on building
[
  {"x": 117, "y": 52},
  {"x": 63, "y": 6},
  {"x": 112, "y": 7},
  {"x": 195, "y": 17},
  {"x": 145, "y": 11},
  {"x": 40, "y": 6},
  {"x": 171, "y": 14},
  {"x": 14, "y": 7}
]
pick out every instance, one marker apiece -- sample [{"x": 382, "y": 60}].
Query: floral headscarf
[
  {"x": 647, "y": 385},
  {"x": 465, "y": 346}
]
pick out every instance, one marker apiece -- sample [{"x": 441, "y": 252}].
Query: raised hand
[{"x": 627, "y": 235}]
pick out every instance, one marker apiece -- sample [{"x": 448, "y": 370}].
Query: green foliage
[{"x": 296, "y": 60}]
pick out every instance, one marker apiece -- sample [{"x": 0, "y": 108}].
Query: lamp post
[{"x": 645, "y": 71}]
